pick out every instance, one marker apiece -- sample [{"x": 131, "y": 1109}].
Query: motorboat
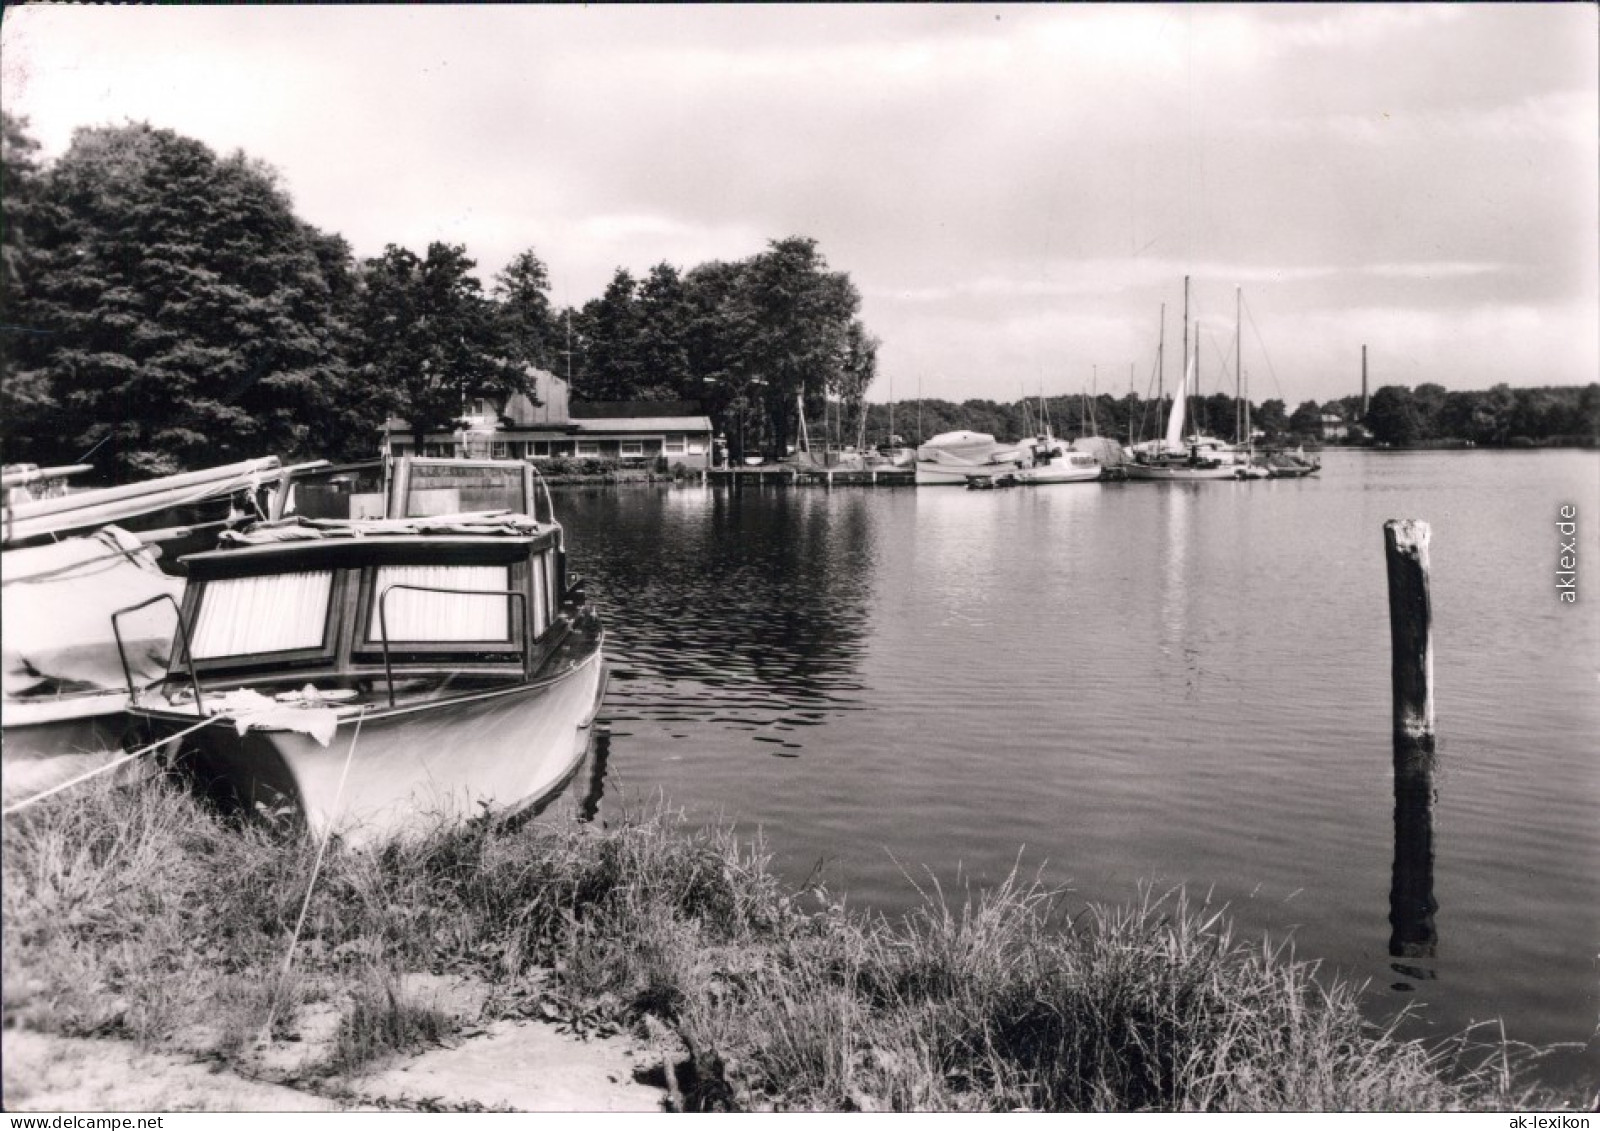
[{"x": 423, "y": 653}]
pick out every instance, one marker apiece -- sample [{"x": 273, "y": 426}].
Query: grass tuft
[{"x": 134, "y": 911}]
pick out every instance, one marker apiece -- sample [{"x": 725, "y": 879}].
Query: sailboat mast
[
  {"x": 1238, "y": 368},
  {"x": 1161, "y": 371},
  {"x": 1186, "y": 344}
]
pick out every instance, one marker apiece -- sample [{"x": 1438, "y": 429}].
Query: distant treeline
[{"x": 1396, "y": 416}]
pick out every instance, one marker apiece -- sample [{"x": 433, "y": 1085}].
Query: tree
[
  {"x": 662, "y": 336},
  {"x": 526, "y": 321},
  {"x": 609, "y": 367},
  {"x": 25, "y": 400},
  {"x": 802, "y": 317},
  {"x": 429, "y": 337},
  {"x": 1429, "y": 400},
  {"x": 1492, "y": 415},
  {"x": 1392, "y": 416},
  {"x": 179, "y": 313},
  {"x": 1307, "y": 419}
]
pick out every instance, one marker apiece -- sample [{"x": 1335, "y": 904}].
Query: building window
[
  {"x": 674, "y": 446},
  {"x": 541, "y": 448},
  {"x": 499, "y": 449},
  {"x": 561, "y": 448},
  {"x": 632, "y": 449},
  {"x": 588, "y": 447},
  {"x": 697, "y": 447}
]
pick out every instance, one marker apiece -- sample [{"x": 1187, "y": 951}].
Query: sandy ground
[
  {"x": 517, "y": 1066},
  {"x": 501, "y": 1065}
]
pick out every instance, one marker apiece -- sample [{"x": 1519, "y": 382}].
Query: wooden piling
[
  {"x": 1411, "y": 643},
  {"x": 1411, "y": 901}
]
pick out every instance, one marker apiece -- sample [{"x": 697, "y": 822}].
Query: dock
[{"x": 786, "y": 475}]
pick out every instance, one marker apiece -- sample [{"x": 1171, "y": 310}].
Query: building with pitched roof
[{"x": 554, "y": 427}]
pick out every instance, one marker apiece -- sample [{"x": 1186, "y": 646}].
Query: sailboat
[{"x": 1173, "y": 457}]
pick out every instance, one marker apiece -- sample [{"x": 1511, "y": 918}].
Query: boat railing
[
  {"x": 183, "y": 633},
  {"x": 549, "y": 504},
  {"x": 383, "y": 622}
]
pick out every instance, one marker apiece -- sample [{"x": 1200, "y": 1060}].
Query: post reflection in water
[
  {"x": 595, "y": 780},
  {"x": 1413, "y": 934}
]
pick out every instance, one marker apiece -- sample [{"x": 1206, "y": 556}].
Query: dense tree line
[
  {"x": 1396, "y": 416},
  {"x": 164, "y": 308}
]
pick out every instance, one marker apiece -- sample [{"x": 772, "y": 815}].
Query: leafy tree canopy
[{"x": 174, "y": 311}]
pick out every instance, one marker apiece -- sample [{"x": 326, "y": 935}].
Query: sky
[{"x": 1015, "y": 190}]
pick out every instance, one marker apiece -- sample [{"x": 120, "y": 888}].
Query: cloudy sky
[{"x": 1014, "y": 189}]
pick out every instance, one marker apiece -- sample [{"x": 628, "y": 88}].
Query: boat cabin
[{"x": 458, "y": 589}]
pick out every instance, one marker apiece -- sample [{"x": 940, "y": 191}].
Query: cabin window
[
  {"x": 674, "y": 446},
  {"x": 412, "y": 616},
  {"x": 588, "y": 447},
  {"x": 633, "y": 449},
  {"x": 541, "y": 448},
  {"x": 280, "y": 612},
  {"x": 452, "y": 489},
  {"x": 499, "y": 449},
  {"x": 541, "y": 593}
]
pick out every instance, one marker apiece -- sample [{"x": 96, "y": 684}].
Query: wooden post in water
[{"x": 1411, "y": 902}]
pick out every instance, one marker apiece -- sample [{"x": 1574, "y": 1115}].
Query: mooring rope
[
  {"x": 98, "y": 770},
  {"x": 311, "y": 885}
]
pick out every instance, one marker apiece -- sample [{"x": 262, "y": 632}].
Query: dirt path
[{"x": 509, "y": 1065}]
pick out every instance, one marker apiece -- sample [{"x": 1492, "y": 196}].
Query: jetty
[{"x": 786, "y": 475}]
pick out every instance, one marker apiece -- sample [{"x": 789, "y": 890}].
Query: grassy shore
[{"x": 135, "y": 912}]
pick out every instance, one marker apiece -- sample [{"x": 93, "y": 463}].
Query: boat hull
[
  {"x": 1058, "y": 473},
  {"x": 51, "y": 742},
  {"x": 498, "y": 751},
  {"x": 1178, "y": 473},
  {"x": 930, "y": 474}
]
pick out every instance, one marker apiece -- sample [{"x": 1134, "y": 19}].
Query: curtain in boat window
[
  {"x": 275, "y": 613},
  {"x": 541, "y": 595},
  {"x": 414, "y": 616}
]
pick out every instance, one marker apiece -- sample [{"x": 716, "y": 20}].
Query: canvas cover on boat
[
  {"x": 297, "y": 529},
  {"x": 56, "y": 603},
  {"x": 966, "y": 448}
]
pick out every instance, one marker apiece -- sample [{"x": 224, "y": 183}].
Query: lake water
[{"x": 1138, "y": 682}]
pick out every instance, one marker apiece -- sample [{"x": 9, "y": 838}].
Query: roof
[{"x": 645, "y": 424}]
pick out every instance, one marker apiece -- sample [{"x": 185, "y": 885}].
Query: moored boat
[
  {"x": 951, "y": 458},
  {"x": 65, "y": 687},
  {"x": 367, "y": 673}
]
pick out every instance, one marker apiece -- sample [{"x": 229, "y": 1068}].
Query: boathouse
[{"x": 555, "y": 427}]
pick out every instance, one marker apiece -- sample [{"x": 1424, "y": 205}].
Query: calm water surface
[{"x": 1142, "y": 682}]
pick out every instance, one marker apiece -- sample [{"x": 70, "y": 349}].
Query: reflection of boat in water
[
  {"x": 952, "y": 458},
  {"x": 365, "y": 671},
  {"x": 992, "y": 482}
]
